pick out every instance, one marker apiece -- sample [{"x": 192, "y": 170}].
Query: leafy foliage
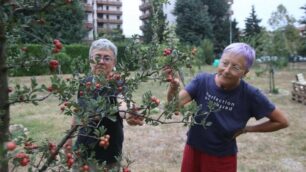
[
  {"x": 193, "y": 21},
  {"x": 280, "y": 18},
  {"x": 156, "y": 7},
  {"x": 64, "y": 22},
  {"x": 199, "y": 19},
  {"x": 205, "y": 52},
  {"x": 302, "y": 48}
]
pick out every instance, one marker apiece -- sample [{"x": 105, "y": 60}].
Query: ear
[{"x": 245, "y": 73}]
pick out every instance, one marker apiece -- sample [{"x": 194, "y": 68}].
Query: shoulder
[
  {"x": 203, "y": 76},
  {"x": 250, "y": 89}
]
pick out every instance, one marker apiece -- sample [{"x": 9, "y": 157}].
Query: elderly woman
[
  {"x": 102, "y": 56},
  {"x": 214, "y": 148}
]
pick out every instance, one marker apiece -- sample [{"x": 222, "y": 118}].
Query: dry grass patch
[{"x": 159, "y": 148}]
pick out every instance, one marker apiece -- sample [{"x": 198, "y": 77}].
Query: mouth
[
  {"x": 99, "y": 67},
  {"x": 225, "y": 76}
]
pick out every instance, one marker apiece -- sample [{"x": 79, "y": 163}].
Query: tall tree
[
  {"x": 193, "y": 21},
  {"x": 235, "y": 31},
  {"x": 252, "y": 24},
  {"x": 284, "y": 32},
  {"x": 280, "y": 18},
  {"x": 219, "y": 13},
  {"x": 303, "y": 20},
  {"x": 203, "y": 19},
  {"x": 302, "y": 47},
  {"x": 157, "y": 9},
  {"x": 64, "y": 22}
]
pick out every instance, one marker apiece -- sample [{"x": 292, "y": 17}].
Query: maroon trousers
[{"x": 196, "y": 161}]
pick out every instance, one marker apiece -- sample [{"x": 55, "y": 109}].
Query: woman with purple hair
[{"x": 213, "y": 147}]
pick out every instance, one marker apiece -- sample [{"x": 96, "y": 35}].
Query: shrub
[{"x": 30, "y": 52}]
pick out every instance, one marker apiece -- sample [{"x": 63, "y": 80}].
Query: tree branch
[{"x": 59, "y": 146}]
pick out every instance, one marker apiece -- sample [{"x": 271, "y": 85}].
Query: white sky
[
  {"x": 241, "y": 8},
  {"x": 264, "y": 9}
]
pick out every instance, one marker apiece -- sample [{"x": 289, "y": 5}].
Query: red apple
[
  {"x": 53, "y": 64},
  {"x": 167, "y": 52},
  {"x": 98, "y": 86},
  {"x": 50, "y": 89},
  {"x": 59, "y": 45},
  {"x": 126, "y": 169},
  {"x": 56, "y": 50},
  {"x": 81, "y": 93},
  {"x": 56, "y": 41},
  {"x": 11, "y": 145},
  {"x": 85, "y": 168},
  {"x": 69, "y": 155},
  {"x": 24, "y": 161}
]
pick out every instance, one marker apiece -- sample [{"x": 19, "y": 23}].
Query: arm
[
  {"x": 182, "y": 95},
  {"x": 277, "y": 120}
]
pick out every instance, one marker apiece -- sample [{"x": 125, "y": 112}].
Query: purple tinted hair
[{"x": 242, "y": 49}]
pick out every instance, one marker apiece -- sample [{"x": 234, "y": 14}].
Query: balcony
[
  {"x": 104, "y": 30},
  {"x": 142, "y": 27},
  {"x": 145, "y": 6},
  {"x": 111, "y": 3},
  {"x": 107, "y": 30},
  {"x": 109, "y": 12},
  {"x": 114, "y": 21},
  {"x": 145, "y": 16},
  {"x": 88, "y": 8}
]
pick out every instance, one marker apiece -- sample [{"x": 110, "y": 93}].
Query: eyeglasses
[
  {"x": 99, "y": 58},
  {"x": 233, "y": 67}
]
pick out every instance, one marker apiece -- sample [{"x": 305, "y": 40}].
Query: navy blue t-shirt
[{"x": 235, "y": 108}]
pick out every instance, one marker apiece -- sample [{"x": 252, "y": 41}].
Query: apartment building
[
  {"x": 145, "y": 9},
  {"x": 102, "y": 16}
]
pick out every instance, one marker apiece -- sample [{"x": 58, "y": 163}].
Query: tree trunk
[{"x": 4, "y": 106}]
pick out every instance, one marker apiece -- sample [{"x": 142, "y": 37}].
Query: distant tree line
[{"x": 206, "y": 21}]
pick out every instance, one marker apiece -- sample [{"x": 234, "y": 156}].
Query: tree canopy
[
  {"x": 252, "y": 24},
  {"x": 65, "y": 22}
]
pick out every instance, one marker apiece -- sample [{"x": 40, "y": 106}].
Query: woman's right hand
[
  {"x": 170, "y": 77},
  {"x": 134, "y": 120}
]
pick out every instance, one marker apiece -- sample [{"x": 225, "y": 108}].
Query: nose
[
  {"x": 227, "y": 69},
  {"x": 101, "y": 61}
]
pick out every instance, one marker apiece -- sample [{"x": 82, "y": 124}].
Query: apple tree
[{"x": 147, "y": 61}]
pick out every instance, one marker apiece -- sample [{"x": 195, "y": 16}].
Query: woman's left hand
[{"x": 239, "y": 132}]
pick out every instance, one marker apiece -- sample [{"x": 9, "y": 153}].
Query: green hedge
[
  {"x": 77, "y": 60},
  {"x": 72, "y": 58},
  {"x": 27, "y": 63}
]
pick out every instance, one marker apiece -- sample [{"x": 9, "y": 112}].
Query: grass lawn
[{"x": 159, "y": 148}]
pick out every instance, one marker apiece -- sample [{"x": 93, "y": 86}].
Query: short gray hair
[
  {"x": 102, "y": 44},
  {"x": 244, "y": 50}
]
